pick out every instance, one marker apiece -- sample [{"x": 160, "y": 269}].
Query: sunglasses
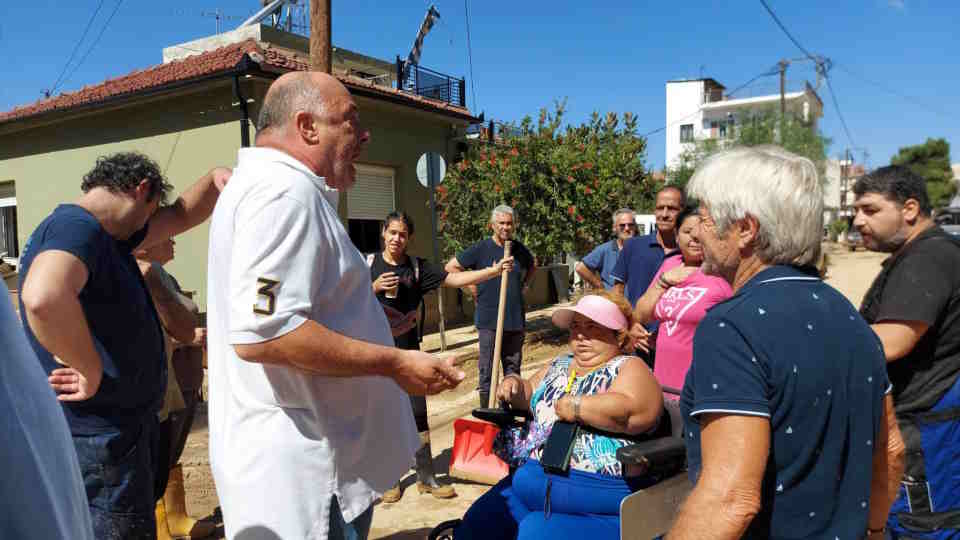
[{"x": 626, "y": 225}]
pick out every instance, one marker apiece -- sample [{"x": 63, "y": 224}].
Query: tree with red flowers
[{"x": 564, "y": 183}]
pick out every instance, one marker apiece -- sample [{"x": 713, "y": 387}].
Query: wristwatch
[{"x": 576, "y": 409}]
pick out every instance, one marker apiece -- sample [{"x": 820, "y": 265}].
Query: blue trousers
[
  {"x": 933, "y": 512},
  {"x": 118, "y": 471},
  {"x": 531, "y": 504}
]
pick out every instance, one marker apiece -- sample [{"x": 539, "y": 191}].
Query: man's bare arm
[
  {"x": 176, "y": 318},
  {"x": 727, "y": 495},
  {"x": 587, "y": 275},
  {"x": 314, "y": 348},
  {"x": 191, "y": 208},
  {"x": 53, "y": 311},
  {"x": 453, "y": 266},
  {"x": 899, "y": 337},
  {"x": 888, "y": 465}
]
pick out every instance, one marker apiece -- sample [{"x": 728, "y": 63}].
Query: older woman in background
[{"x": 610, "y": 394}]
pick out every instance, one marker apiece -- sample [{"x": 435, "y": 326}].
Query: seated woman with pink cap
[{"x": 610, "y": 395}]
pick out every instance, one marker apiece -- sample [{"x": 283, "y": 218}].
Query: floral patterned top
[{"x": 592, "y": 452}]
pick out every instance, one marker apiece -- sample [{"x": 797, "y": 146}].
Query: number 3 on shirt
[{"x": 266, "y": 290}]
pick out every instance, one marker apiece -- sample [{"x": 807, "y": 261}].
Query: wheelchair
[{"x": 647, "y": 512}]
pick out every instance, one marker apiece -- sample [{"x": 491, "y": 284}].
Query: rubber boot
[
  {"x": 178, "y": 522},
  {"x": 163, "y": 533},
  {"x": 426, "y": 482},
  {"x": 393, "y": 494}
]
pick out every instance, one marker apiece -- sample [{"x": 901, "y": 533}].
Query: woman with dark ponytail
[{"x": 400, "y": 282}]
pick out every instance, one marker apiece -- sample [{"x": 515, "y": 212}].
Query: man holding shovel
[{"x": 481, "y": 255}]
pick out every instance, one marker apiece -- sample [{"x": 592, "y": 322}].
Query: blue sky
[{"x": 604, "y": 56}]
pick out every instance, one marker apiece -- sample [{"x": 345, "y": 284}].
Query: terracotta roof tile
[{"x": 207, "y": 63}]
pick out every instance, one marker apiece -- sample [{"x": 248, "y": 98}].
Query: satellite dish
[{"x": 431, "y": 166}]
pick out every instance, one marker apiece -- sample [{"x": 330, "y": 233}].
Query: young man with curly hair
[{"x": 90, "y": 319}]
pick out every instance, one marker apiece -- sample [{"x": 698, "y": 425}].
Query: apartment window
[
  {"x": 686, "y": 133},
  {"x": 8, "y": 221},
  {"x": 722, "y": 130}
]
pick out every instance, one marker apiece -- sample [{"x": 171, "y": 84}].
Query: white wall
[{"x": 683, "y": 99}]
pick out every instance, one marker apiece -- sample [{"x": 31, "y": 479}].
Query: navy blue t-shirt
[
  {"x": 790, "y": 348},
  {"x": 638, "y": 262},
  {"x": 484, "y": 254},
  {"x": 123, "y": 321}
]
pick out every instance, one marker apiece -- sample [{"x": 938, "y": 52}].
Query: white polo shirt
[{"x": 283, "y": 442}]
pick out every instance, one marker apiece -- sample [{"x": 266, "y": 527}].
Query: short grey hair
[
  {"x": 286, "y": 99},
  {"x": 503, "y": 209},
  {"x": 622, "y": 211},
  {"x": 779, "y": 189}
]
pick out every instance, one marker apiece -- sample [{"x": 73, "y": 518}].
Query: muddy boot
[
  {"x": 393, "y": 494},
  {"x": 177, "y": 521},
  {"x": 426, "y": 483},
  {"x": 160, "y": 512}
]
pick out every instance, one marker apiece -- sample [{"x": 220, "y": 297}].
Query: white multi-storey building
[{"x": 700, "y": 109}]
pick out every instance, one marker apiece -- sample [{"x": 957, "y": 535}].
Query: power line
[
  {"x": 785, "y": 31},
  {"x": 891, "y": 91},
  {"x": 76, "y": 47},
  {"x": 837, "y": 107},
  {"x": 822, "y": 64},
  {"x": 473, "y": 87},
  {"x": 95, "y": 42},
  {"x": 694, "y": 113}
]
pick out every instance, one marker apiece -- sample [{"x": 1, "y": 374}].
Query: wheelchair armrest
[
  {"x": 658, "y": 454},
  {"x": 503, "y": 418}
]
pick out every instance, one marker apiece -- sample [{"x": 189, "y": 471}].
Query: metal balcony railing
[{"x": 425, "y": 82}]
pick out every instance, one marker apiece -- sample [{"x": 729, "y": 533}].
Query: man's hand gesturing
[{"x": 422, "y": 374}]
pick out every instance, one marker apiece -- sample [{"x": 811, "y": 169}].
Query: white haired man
[
  {"x": 309, "y": 421},
  {"x": 483, "y": 254},
  {"x": 597, "y": 267},
  {"x": 785, "y": 401}
]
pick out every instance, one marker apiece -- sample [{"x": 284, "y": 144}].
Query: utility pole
[
  {"x": 783, "y": 98},
  {"x": 844, "y": 181},
  {"x": 320, "y": 48}
]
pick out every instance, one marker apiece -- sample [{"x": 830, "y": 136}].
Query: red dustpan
[{"x": 472, "y": 457}]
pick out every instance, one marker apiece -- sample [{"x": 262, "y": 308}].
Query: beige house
[{"x": 194, "y": 111}]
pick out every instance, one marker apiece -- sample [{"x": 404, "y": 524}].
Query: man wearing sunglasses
[{"x": 596, "y": 268}]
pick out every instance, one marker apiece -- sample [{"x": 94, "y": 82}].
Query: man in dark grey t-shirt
[
  {"x": 914, "y": 307},
  {"x": 487, "y": 294}
]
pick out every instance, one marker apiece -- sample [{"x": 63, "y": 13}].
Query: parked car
[
  {"x": 853, "y": 239},
  {"x": 953, "y": 230}
]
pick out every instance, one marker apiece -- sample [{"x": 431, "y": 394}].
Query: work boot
[
  {"x": 426, "y": 483},
  {"x": 393, "y": 494},
  {"x": 160, "y": 512},
  {"x": 178, "y": 523}
]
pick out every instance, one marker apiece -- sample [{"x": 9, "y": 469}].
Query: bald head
[{"x": 313, "y": 92}]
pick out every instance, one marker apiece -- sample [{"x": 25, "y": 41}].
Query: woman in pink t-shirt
[{"x": 679, "y": 298}]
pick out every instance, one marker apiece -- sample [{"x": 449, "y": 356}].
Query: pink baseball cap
[{"x": 595, "y": 308}]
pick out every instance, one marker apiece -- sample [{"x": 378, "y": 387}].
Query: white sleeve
[{"x": 275, "y": 260}]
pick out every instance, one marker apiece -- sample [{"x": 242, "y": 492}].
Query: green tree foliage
[
  {"x": 931, "y": 161},
  {"x": 564, "y": 183},
  {"x": 755, "y": 129}
]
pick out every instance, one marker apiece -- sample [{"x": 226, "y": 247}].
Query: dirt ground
[{"x": 415, "y": 515}]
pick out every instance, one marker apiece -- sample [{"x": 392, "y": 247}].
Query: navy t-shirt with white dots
[{"x": 790, "y": 348}]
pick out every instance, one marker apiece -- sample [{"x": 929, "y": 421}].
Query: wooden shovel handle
[{"x": 498, "y": 340}]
